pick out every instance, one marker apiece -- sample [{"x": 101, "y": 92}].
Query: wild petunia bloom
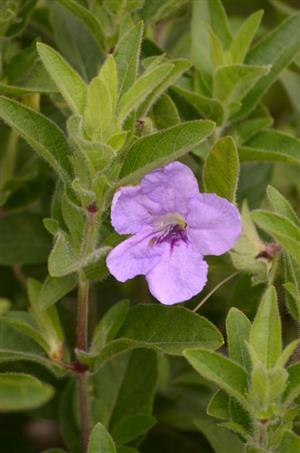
[{"x": 173, "y": 227}]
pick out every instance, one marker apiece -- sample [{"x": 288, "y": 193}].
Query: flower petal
[
  {"x": 132, "y": 211},
  {"x": 214, "y": 224},
  {"x": 180, "y": 274},
  {"x": 171, "y": 186},
  {"x": 134, "y": 256}
]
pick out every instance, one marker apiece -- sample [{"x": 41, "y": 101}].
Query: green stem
[
  {"x": 202, "y": 302},
  {"x": 88, "y": 244}
]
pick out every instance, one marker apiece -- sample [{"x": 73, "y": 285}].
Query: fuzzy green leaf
[
  {"x": 169, "y": 329},
  {"x": 265, "y": 334},
  {"x": 238, "y": 330},
  {"x": 127, "y": 55},
  {"x": 20, "y": 392},
  {"x": 277, "y": 48},
  {"x": 162, "y": 147},
  {"x": 40, "y": 133},
  {"x": 221, "y": 169},
  {"x": 225, "y": 373},
  {"x": 242, "y": 41},
  {"x": 101, "y": 441},
  {"x": 69, "y": 83},
  {"x": 270, "y": 145}
]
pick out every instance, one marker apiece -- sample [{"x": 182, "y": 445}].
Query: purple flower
[{"x": 173, "y": 227}]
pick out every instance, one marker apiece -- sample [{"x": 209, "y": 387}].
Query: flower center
[{"x": 170, "y": 228}]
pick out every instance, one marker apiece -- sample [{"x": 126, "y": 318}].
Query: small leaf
[
  {"x": 55, "y": 288},
  {"x": 207, "y": 107},
  {"x": 132, "y": 427},
  {"x": 169, "y": 329},
  {"x": 69, "y": 83},
  {"x": 101, "y": 441},
  {"x": 162, "y": 147},
  {"x": 281, "y": 205},
  {"x": 221, "y": 169},
  {"x": 98, "y": 112},
  {"x": 286, "y": 233},
  {"x": 290, "y": 443},
  {"x": 88, "y": 19},
  {"x": 218, "y": 436},
  {"x": 109, "y": 325},
  {"x": 271, "y": 145},
  {"x": 277, "y": 48},
  {"x": 242, "y": 41},
  {"x": 165, "y": 113},
  {"x": 238, "y": 330},
  {"x": 293, "y": 386},
  {"x": 225, "y": 373},
  {"x": 265, "y": 334},
  {"x": 127, "y": 57},
  {"x": 40, "y": 133},
  {"x": 19, "y": 392},
  {"x": 64, "y": 260},
  {"x": 140, "y": 89},
  {"x": 207, "y": 12},
  {"x": 179, "y": 66},
  {"x": 232, "y": 83}
]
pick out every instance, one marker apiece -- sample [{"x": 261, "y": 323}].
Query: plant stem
[
  {"x": 84, "y": 410},
  {"x": 88, "y": 244},
  {"x": 82, "y": 314},
  {"x": 215, "y": 289}
]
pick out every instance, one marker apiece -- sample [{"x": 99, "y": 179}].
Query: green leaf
[
  {"x": 69, "y": 83},
  {"x": 20, "y": 392},
  {"x": 218, "y": 437},
  {"x": 165, "y": 113},
  {"x": 281, "y": 205},
  {"x": 127, "y": 57},
  {"x": 290, "y": 443},
  {"x": 232, "y": 83},
  {"x": 101, "y": 441},
  {"x": 286, "y": 233},
  {"x": 225, "y": 373},
  {"x": 221, "y": 169},
  {"x": 170, "y": 330},
  {"x": 265, "y": 334},
  {"x": 23, "y": 322},
  {"x": 90, "y": 21},
  {"x": 132, "y": 427},
  {"x": 270, "y": 145},
  {"x": 109, "y": 326},
  {"x": 293, "y": 302},
  {"x": 259, "y": 119},
  {"x": 140, "y": 89},
  {"x": 211, "y": 13},
  {"x": 47, "y": 320},
  {"x": 40, "y": 133},
  {"x": 242, "y": 41},
  {"x": 15, "y": 346},
  {"x": 207, "y": 107},
  {"x": 238, "y": 331},
  {"x": 179, "y": 66},
  {"x": 278, "y": 48},
  {"x": 64, "y": 260},
  {"x": 98, "y": 112},
  {"x": 287, "y": 353},
  {"x": 126, "y": 405},
  {"x": 23, "y": 239},
  {"x": 55, "y": 288},
  {"x": 292, "y": 390},
  {"x": 162, "y": 147}
]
